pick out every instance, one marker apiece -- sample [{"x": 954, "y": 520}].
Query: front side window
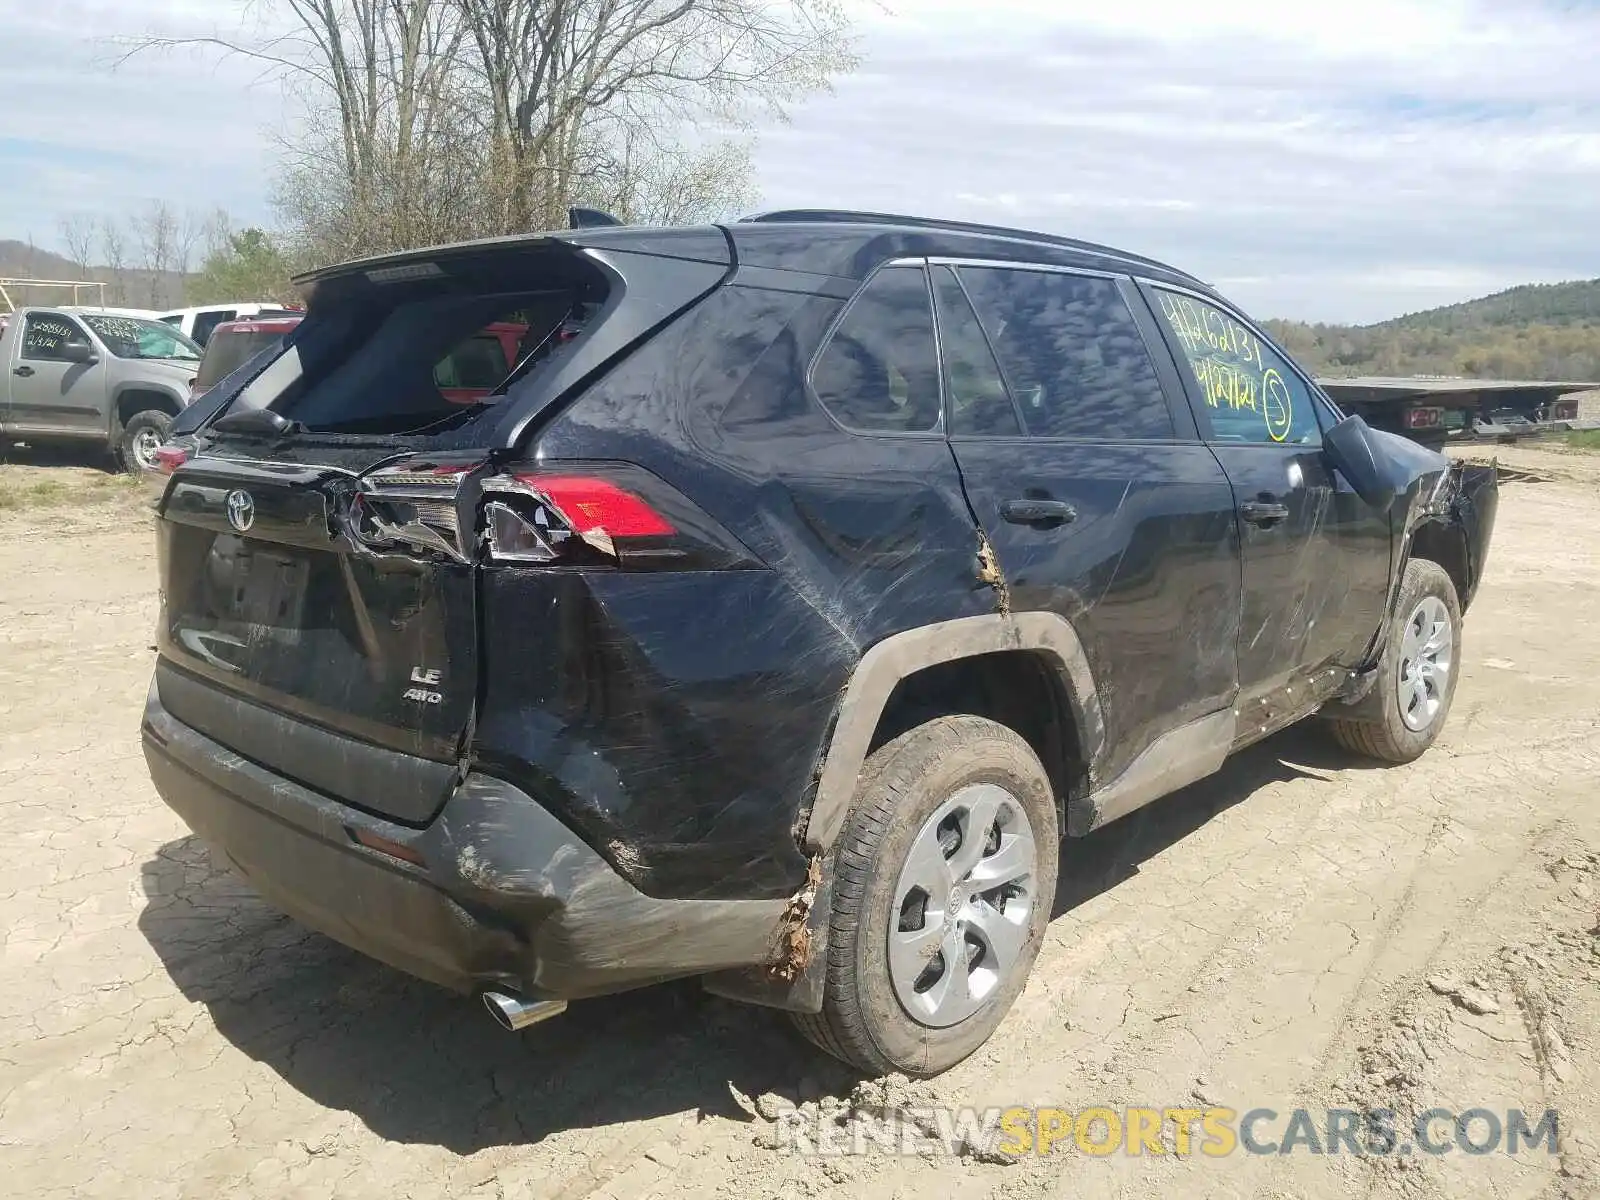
[
  {"x": 1072, "y": 353},
  {"x": 879, "y": 372},
  {"x": 1249, "y": 392},
  {"x": 46, "y": 335}
]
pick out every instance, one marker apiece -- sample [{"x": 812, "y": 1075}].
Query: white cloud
[{"x": 1343, "y": 162}]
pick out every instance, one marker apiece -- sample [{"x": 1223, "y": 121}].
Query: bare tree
[
  {"x": 114, "y": 249},
  {"x": 567, "y": 79},
  {"x": 429, "y": 120},
  {"x": 190, "y": 233},
  {"x": 78, "y": 235},
  {"x": 155, "y": 233}
]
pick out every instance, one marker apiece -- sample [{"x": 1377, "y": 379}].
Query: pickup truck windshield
[{"x": 135, "y": 337}]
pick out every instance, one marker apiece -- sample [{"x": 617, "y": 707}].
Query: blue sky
[{"x": 1333, "y": 162}]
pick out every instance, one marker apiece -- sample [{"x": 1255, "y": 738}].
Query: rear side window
[
  {"x": 879, "y": 372},
  {"x": 1251, "y": 394},
  {"x": 1072, "y": 354},
  {"x": 974, "y": 387},
  {"x": 205, "y": 322}
]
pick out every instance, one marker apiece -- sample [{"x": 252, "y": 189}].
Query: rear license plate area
[{"x": 270, "y": 590}]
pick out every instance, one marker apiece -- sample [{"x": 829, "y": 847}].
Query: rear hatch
[{"x": 319, "y": 551}]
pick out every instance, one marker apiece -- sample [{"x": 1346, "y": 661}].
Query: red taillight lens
[
  {"x": 590, "y": 505},
  {"x": 169, "y": 458},
  {"x": 601, "y": 515}
]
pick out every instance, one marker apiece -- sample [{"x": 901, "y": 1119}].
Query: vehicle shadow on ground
[
  {"x": 1093, "y": 865},
  {"x": 56, "y": 454},
  {"x": 419, "y": 1065}
]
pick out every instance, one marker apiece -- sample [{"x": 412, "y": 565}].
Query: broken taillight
[
  {"x": 611, "y": 514},
  {"x": 170, "y": 457}
]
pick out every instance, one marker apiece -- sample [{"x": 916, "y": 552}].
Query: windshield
[
  {"x": 230, "y": 349},
  {"x": 135, "y": 337}
]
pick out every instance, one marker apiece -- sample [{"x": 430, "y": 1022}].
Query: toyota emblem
[{"x": 241, "y": 510}]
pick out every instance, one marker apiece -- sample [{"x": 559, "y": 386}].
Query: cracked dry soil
[{"x": 1303, "y": 931}]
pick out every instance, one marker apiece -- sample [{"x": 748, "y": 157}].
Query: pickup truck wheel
[
  {"x": 142, "y": 436},
  {"x": 1417, "y": 677},
  {"x": 945, "y": 878}
]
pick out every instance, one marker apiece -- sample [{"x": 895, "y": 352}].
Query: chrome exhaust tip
[{"x": 514, "y": 1013}]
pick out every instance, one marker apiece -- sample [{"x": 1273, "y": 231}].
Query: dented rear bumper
[{"x": 504, "y": 894}]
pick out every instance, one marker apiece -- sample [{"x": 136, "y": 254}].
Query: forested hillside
[{"x": 1538, "y": 331}]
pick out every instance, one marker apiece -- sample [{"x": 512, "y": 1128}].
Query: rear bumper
[{"x": 506, "y": 897}]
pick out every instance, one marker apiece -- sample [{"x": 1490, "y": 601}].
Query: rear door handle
[
  {"x": 1038, "y": 512},
  {"x": 23, "y": 371},
  {"x": 1263, "y": 512}
]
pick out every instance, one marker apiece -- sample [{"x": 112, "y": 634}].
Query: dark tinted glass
[
  {"x": 205, "y": 322},
  {"x": 974, "y": 388},
  {"x": 880, "y": 371},
  {"x": 1251, "y": 394},
  {"x": 1072, "y": 354}
]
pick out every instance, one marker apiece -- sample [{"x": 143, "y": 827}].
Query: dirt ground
[{"x": 1263, "y": 940}]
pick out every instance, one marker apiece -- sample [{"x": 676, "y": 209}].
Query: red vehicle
[
  {"x": 234, "y": 343},
  {"x": 478, "y": 365}
]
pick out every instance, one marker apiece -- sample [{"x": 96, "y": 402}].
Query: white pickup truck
[{"x": 90, "y": 376}]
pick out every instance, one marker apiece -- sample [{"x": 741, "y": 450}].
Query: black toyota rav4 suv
[{"x": 802, "y": 583}]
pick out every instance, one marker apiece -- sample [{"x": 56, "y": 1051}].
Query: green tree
[{"x": 246, "y": 265}]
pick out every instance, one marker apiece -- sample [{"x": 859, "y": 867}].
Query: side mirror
[
  {"x": 1357, "y": 455},
  {"x": 79, "y": 352}
]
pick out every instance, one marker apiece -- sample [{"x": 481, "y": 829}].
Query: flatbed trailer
[{"x": 1438, "y": 411}]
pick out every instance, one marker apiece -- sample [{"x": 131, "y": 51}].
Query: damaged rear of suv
[{"x": 800, "y": 585}]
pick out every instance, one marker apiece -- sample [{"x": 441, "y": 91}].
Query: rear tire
[
  {"x": 1410, "y": 701},
  {"x": 141, "y": 435},
  {"x": 954, "y": 784}
]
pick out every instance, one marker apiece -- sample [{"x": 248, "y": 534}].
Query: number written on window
[
  {"x": 1251, "y": 394},
  {"x": 46, "y": 335}
]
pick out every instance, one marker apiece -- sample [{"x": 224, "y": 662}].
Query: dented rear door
[{"x": 1098, "y": 504}]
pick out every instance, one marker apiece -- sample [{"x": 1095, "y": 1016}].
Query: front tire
[
  {"x": 1416, "y": 683},
  {"x": 944, "y": 883},
  {"x": 141, "y": 437}
]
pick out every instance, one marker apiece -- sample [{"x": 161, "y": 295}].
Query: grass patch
[
  {"x": 1584, "y": 439},
  {"x": 19, "y": 490}
]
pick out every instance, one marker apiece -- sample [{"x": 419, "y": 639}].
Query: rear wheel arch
[{"x": 966, "y": 664}]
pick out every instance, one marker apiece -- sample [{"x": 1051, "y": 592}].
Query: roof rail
[{"x": 849, "y": 217}]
